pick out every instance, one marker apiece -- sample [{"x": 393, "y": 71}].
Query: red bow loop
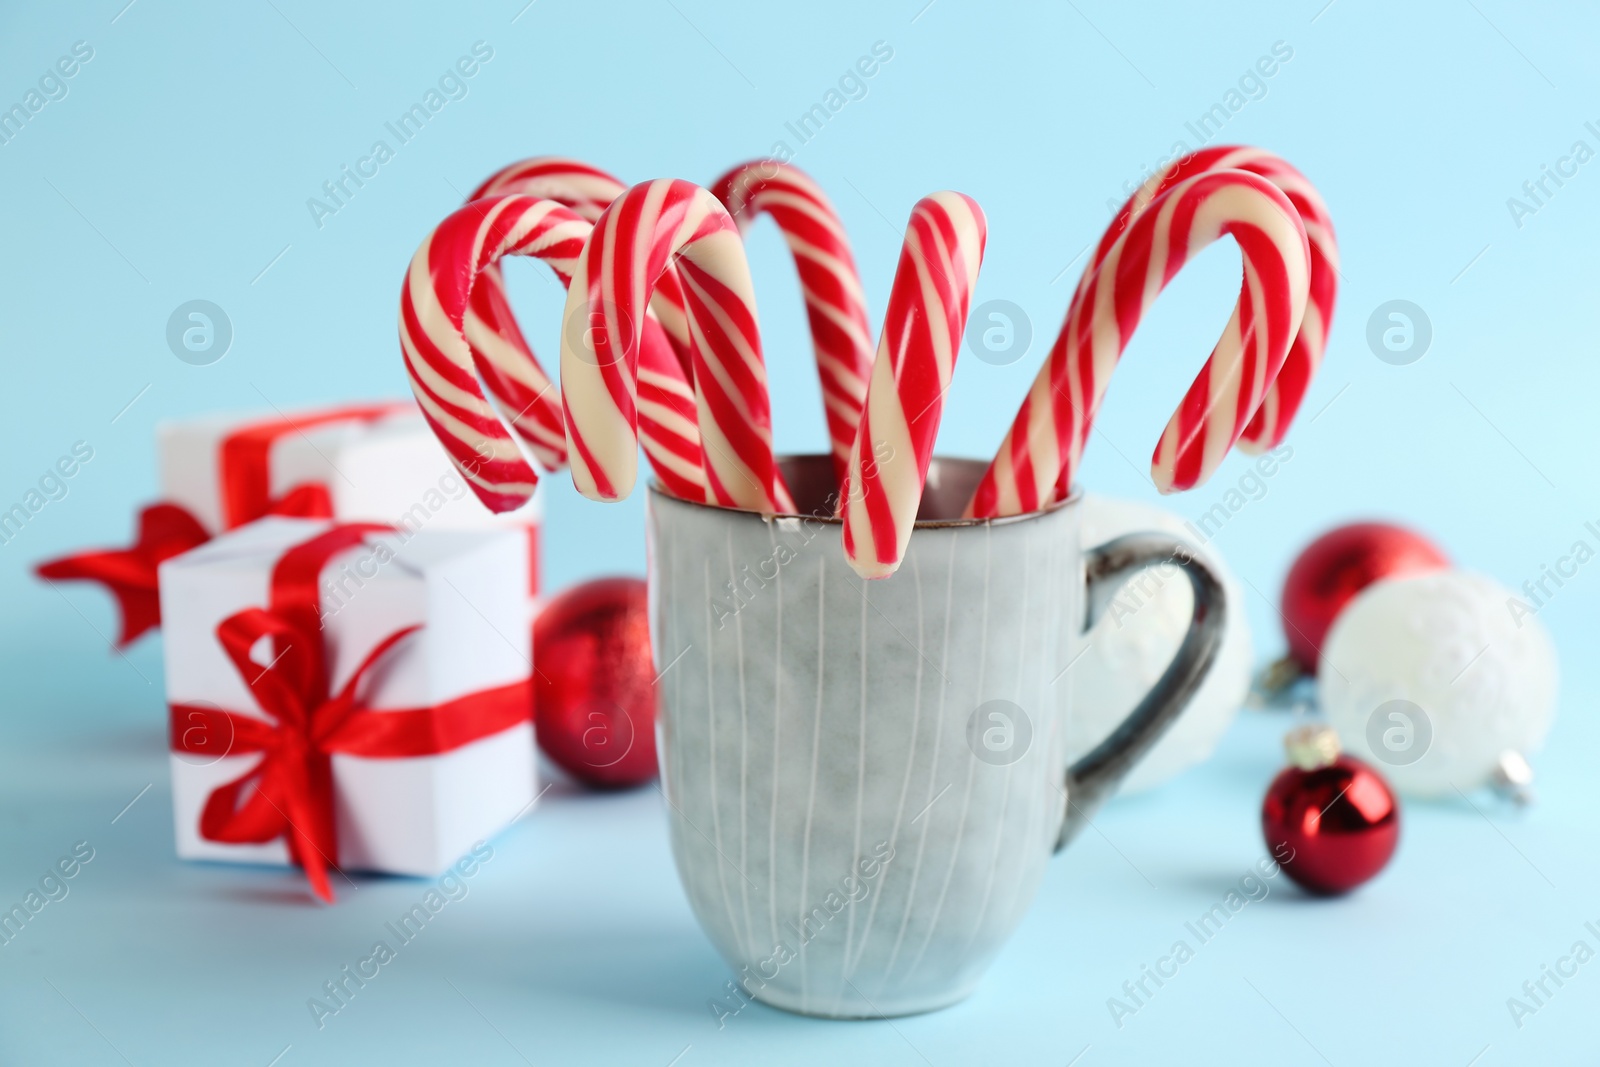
[
  {"x": 334, "y": 713},
  {"x": 286, "y": 687},
  {"x": 129, "y": 574}
]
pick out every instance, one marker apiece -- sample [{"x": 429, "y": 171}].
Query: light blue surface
[{"x": 178, "y": 167}]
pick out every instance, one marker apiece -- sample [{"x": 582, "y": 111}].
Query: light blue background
[{"x": 178, "y": 167}]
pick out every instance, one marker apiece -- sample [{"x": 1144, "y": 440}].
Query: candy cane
[
  {"x": 516, "y": 380},
  {"x": 1046, "y": 441},
  {"x": 588, "y": 190},
  {"x": 510, "y": 371},
  {"x": 916, "y": 358},
  {"x": 434, "y": 306},
  {"x": 835, "y": 306},
  {"x": 649, "y": 228},
  {"x": 1270, "y": 423}
]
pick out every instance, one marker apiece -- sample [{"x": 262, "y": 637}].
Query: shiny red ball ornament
[
  {"x": 1335, "y": 567},
  {"x": 1329, "y": 820},
  {"x": 594, "y": 692}
]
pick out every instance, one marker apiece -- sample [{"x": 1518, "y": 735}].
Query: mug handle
[{"x": 1096, "y": 775}]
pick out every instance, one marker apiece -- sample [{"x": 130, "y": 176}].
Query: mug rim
[{"x": 656, "y": 489}]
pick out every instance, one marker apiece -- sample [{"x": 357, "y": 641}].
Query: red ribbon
[
  {"x": 245, "y": 466},
  {"x": 167, "y": 530},
  {"x": 289, "y": 792}
]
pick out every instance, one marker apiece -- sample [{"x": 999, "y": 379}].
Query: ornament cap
[
  {"x": 1274, "y": 684},
  {"x": 1311, "y": 747},
  {"x": 1513, "y": 778}
]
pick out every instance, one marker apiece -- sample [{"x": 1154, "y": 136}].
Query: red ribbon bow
[
  {"x": 167, "y": 530},
  {"x": 289, "y": 793}
]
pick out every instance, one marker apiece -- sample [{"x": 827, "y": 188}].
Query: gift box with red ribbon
[
  {"x": 347, "y": 696},
  {"x": 373, "y": 462}
]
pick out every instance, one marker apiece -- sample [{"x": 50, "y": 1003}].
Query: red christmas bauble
[
  {"x": 1337, "y": 566},
  {"x": 1330, "y": 820},
  {"x": 594, "y": 692}
]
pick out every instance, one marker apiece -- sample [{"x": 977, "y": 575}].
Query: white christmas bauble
[
  {"x": 1433, "y": 678},
  {"x": 1135, "y": 640}
]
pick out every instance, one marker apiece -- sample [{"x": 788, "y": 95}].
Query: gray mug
[{"x": 866, "y": 779}]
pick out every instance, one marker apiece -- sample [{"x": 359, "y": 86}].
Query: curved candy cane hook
[
  {"x": 1270, "y": 423},
  {"x": 518, "y": 383},
  {"x": 1045, "y": 443},
  {"x": 435, "y": 315},
  {"x": 836, "y": 308}
]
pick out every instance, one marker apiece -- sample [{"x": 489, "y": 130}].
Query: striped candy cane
[
  {"x": 433, "y": 306},
  {"x": 1046, "y": 441},
  {"x": 518, "y": 383},
  {"x": 649, "y": 228},
  {"x": 434, "y": 313},
  {"x": 512, "y": 374},
  {"x": 835, "y": 306},
  {"x": 916, "y": 358},
  {"x": 1270, "y": 423},
  {"x": 588, "y": 190}
]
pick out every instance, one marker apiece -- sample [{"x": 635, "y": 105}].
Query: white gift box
[
  {"x": 389, "y": 470},
  {"x": 467, "y": 590}
]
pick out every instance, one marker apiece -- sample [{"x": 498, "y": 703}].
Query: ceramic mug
[{"x": 866, "y": 779}]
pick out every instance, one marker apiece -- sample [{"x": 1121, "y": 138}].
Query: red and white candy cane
[
  {"x": 1046, "y": 441},
  {"x": 433, "y": 307},
  {"x": 922, "y": 331},
  {"x": 443, "y": 367},
  {"x": 513, "y": 376},
  {"x": 588, "y": 190},
  {"x": 650, "y": 228},
  {"x": 835, "y": 305},
  {"x": 517, "y": 381},
  {"x": 1270, "y": 423}
]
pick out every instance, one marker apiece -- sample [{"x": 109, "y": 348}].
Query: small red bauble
[
  {"x": 1337, "y": 566},
  {"x": 594, "y": 692},
  {"x": 1330, "y": 820}
]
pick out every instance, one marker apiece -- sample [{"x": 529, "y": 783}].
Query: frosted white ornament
[
  {"x": 1132, "y": 644},
  {"x": 1433, "y": 679}
]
